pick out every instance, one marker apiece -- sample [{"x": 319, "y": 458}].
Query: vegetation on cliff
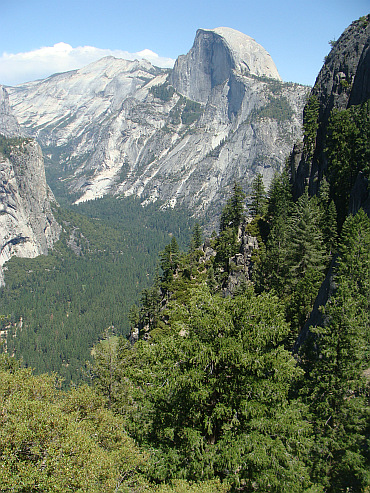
[{"x": 207, "y": 394}]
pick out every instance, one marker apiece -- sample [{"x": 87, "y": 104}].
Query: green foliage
[
  {"x": 277, "y": 108},
  {"x": 280, "y": 200},
  {"x": 214, "y": 395},
  {"x": 364, "y": 21},
  {"x": 336, "y": 358},
  {"x": 53, "y": 442},
  {"x": 233, "y": 211},
  {"x": 305, "y": 243},
  {"x": 258, "y": 200},
  {"x": 163, "y": 92},
  {"x": 196, "y": 237},
  {"x": 310, "y": 125},
  {"x": 169, "y": 262},
  {"x": 296, "y": 257},
  {"x": 66, "y": 299},
  {"x": 348, "y": 152},
  {"x": 182, "y": 486},
  {"x": 191, "y": 112},
  {"x": 9, "y": 144},
  {"x": 186, "y": 111},
  {"x": 328, "y": 221}
]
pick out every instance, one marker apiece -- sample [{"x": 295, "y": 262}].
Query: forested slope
[
  {"x": 57, "y": 307},
  {"x": 211, "y": 393}
]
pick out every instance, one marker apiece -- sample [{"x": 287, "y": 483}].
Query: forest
[
  {"x": 106, "y": 256},
  {"x": 213, "y": 392}
]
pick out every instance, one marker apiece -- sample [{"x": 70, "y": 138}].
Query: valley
[{"x": 185, "y": 275}]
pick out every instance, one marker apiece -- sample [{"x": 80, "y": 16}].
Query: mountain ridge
[{"x": 140, "y": 133}]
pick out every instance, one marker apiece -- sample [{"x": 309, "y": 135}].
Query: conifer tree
[
  {"x": 273, "y": 269},
  {"x": 280, "y": 200},
  {"x": 348, "y": 152},
  {"x": 258, "y": 197},
  {"x": 336, "y": 357},
  {"x": 310, "y": 125},
  {"x": 328, "y": 217},
  {"x": 305, "y": 241},
  {"x": 233, "y": 211},
  {"x": 196, "y": 238},
  {"x": 215, "y": 395}
]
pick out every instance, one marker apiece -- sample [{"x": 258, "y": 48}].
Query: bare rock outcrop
[
  {"x": 181, "y": 137},
  {"x": 343, "y": 81},
  {"x": 27, "y": 224}
]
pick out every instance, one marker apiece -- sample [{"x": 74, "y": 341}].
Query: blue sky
[{"x": 41, "y": 37}]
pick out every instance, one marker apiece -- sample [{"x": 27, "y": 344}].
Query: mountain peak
[
  {"x": 248, "y": 55},
  {"x": 215, "y": 54}
]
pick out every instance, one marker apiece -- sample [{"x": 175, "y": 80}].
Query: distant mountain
[
  {"x": 182, "y": 137},
  {"x": 27, "y": 225}
]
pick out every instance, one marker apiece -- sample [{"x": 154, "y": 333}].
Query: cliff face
[
  {"x": 214, "y": 56},
  {"x": 121, "y": 127},
  {"x": 27, "y": 225},
  {"x": 8, "y": 122},
  {"x": 343, "y": 81}
]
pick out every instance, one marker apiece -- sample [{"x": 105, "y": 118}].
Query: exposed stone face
[
  {"x": 8, "y": 123},
  {"x": 27, "y": 225},
  {"x": 214, "y": 56},
  {"x": 343, "y": 81},
  {"x": 129, "y": 128}
]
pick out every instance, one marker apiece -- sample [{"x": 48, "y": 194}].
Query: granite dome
[
  {"x": 215, "y": 57},
  {"x": 247, "y": 53}
]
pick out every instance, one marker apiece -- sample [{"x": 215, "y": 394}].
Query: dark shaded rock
[
  {"x": 343, "y": 81},
  {"x": 8, "y": 122},
  {"x": 359, "y": 197},
  {"x": 213, "y": 57}
]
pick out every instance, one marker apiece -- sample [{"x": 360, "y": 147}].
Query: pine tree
[
  {"x": 196, "y": 238},
  {"x": 258, "y": 197},
  {"x": 280, "y": 200},
  {"x": 336, "y": 357},
  {"x": 215, "y": 395},
  {"x": 233, "y": 211},
  {"x": 348, "y": 152},
  {"x": 310, "y": 125},
  {"x": 273, "y": 269},
  {"x": 305, "y": 248}
]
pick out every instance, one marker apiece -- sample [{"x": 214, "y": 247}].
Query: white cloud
[{"x": 48, "y": 60}]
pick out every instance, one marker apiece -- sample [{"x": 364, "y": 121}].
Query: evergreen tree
[
  {"x": 233, "y": 211},
  {"x": 196, "y": 238},
  {"x": 280, "y": 200},
  {"x": 272, "y": 271},
  {"x": 227, "y": 244},
  {"x": 169, "y": 261},
  {"x": 310, "y": 125},
  {"x": 348, "y": 152},
  {"x": 328, "y": 219},
  {"x": 336, "y": 357},
  {"x": 215, "y": 395},
  {"x": 305, "y": 243},
  {"x": 258, "y": 197}
]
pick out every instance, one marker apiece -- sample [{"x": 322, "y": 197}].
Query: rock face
[
  {"x": 27, "y": 225},
  {"x": 184, "y": 137},
  {"x": 8, "y": 122},
  {"x": 343, "y": 81},
  {"x": 214, "y": 56}
]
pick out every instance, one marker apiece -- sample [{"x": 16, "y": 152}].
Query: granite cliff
[
  {"x": 344, "y": 81},
  {"x": 27, "y": 225},
  {"x": 181, "y": 137}
]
